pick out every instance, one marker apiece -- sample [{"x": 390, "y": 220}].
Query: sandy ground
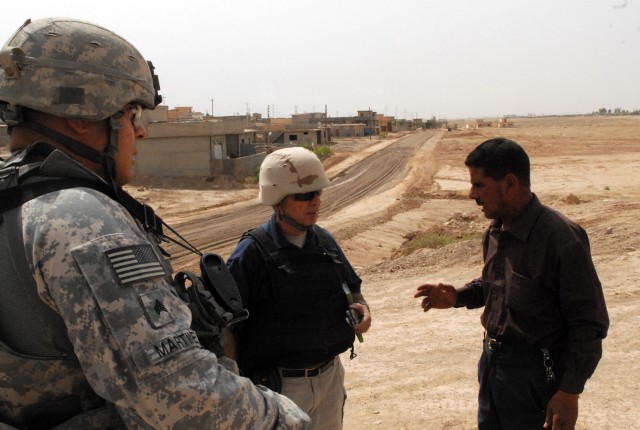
[{"x": 417, "y": 370}]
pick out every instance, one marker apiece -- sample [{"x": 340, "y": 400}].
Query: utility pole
[{"x": 326, "y": 134}]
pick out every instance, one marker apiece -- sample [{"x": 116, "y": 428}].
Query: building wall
[
  {"x": 347, "y": 130},
  {"x": 239, "y": 167},
  {"x": 195, "y": 128},
  {"x": 175, "y": 156},
  {"x": 295, "y": 135},
  {"x": 303, "y": 137},
  {"x": 159, "y": 114},
  {"x": 191, "y": 156},
  {"x": 184, "y": 149}
]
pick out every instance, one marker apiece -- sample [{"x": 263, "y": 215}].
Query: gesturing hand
[{"x": 438, "y": 296}]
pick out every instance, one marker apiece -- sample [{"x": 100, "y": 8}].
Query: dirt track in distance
[{"x": 218, "y": 228}]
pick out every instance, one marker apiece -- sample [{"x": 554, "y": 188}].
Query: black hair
[{"x": 499, "y": 157}]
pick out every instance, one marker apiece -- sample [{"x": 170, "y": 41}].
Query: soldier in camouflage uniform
[{"x": 91, "y": 332}]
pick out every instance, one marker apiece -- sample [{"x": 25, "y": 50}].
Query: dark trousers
[{"x": 514, "y": 391}]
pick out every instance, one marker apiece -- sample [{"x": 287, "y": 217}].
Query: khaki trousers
[{"x": 321, "y": 397}]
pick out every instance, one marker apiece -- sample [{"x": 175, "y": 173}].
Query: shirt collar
[
  {"x": 522, "y": 226},
  {"x": 275, "y": 231}
]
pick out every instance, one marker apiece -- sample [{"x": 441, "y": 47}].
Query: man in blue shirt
[{"x": 299, "y": 287}]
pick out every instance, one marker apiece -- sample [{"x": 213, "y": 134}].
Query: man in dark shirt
[{"x": 544, "y": 310}]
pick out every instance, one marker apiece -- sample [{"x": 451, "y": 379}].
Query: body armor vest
[
  {"x": 41, "y": 382},
  {"x": 302, "y": 321}
]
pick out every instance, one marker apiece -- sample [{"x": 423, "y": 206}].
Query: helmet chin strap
[
  {"x": 107, "y": 158},
  {"x": 292, "y": 222},
  {"x": 72, "y": 145},
  {"x": 110, "y": 152}
]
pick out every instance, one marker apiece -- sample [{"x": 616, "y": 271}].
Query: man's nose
[
  {"x": 472, "y": 194},
  {"x": 141, "y": 132}
]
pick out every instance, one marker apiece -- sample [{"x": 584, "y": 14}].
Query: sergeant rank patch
[
  {"x": 134, "y": 263},
  {"x": 154, "y": 309}
]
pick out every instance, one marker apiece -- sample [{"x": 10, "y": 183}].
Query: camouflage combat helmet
[
  {"x": 289, "y": 171},
  {"x": 72, "y": 69}
]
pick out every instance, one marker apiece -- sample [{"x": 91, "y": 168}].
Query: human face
[
  {"x": 488, "y": 193},
  {"x": 131, "y": 130},
  {"x": 304, "y": 211}
]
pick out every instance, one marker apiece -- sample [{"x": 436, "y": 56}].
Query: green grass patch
[
  {"x": 322, "y": 151},
  {"x": 438, "y": 240}
]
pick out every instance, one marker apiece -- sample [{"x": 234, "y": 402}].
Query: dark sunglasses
[{"x": 305, "y": 197}]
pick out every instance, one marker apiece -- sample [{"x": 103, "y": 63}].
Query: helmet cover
[
  {"x": 289, "y": 171},
  {"x": 73, "y": 69}
]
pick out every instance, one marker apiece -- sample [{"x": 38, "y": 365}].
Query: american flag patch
[{"x": 134, "y": 263}]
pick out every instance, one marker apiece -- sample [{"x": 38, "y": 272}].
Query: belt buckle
[
  {"x": 311, "y": 373},
  {"x": 493, "y": 344}
]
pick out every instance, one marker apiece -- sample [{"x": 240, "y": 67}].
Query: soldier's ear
[{"x": 78, "y": 126}]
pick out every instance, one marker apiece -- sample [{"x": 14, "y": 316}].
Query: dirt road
[
  {"x": 217, "y": 229},
  {"x": 417, "y": 370}
]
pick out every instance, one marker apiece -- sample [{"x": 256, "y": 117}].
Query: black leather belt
[
  {"x": 494, "y": 344},
  {"x": 311, "y": 372}
]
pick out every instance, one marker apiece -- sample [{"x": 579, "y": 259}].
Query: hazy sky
[{"x": 407, "y": 58}]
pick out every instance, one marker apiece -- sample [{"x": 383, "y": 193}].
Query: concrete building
[
  {"x": 368, "y": 118},
  {"x": 184, "y": 113},
  {"x": 300, "y": 129},
  {"x": 504, "y": 123},
  {"x": 347, "y": 130},
  {"x": 196, "y": 148},
  {"x": 481, "y": 123},
  {"x": 299, "y": 137},
  {"x": 385, "y": 123},
  {"x": 309, "y": 118}
]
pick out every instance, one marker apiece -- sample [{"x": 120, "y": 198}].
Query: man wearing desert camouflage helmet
[{"x": 297, "y": 283}]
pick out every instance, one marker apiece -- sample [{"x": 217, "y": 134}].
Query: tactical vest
[
  {"x": 301, "y": 322},
  {"x": 41, "y": 382}
]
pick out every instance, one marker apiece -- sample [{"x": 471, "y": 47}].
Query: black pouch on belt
[{"x": 269, "y": 377}]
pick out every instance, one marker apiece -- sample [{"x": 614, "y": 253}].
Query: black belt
[
  {"x": 494, "y": 344},
  {"x": 311, "y": 372}
]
